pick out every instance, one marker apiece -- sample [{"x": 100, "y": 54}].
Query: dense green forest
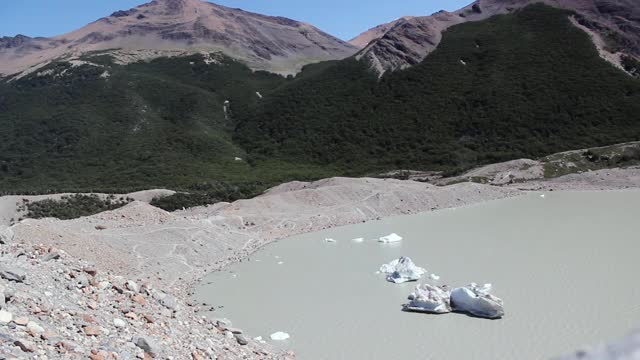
[
  {"x": 521, "y": 85},
  {"x": 149, "y": 124}
]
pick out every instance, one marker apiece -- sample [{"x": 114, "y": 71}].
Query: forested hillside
[{"x": 520, "y": 85}]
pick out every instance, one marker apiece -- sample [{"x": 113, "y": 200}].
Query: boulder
[
  {"x": 402, "y": 270},
  {"x": 477, "y": 301},
  {"x": 13, "y": 274},
  {"x": 6, "y": 235},
  {"x": 147, "y": 346},
  {"x": 5, "y": 317},
  {"x": 429, "y": 299}
]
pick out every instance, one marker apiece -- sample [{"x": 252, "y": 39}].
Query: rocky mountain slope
[
  {"x": 614, "y": 24},
  {"x": 375, "y": 33},
  {"x": 176, "y": 27}
]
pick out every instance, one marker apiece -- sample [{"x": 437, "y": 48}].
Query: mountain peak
[{"x": 168, "y": 27}]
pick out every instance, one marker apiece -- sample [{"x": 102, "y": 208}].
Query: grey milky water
[{"x": 565, "y": 265}]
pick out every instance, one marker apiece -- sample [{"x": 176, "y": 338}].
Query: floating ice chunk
[
  {"x": 430, "y": 299},
  {"x": 330, "y": 240},
  {"x": 543, "y": 196},
  {"x": 279, "y": 336},
  {"x": 391, "y": 238},
  {"x": 358, "y": 240},
  {"x": 280, "y": 262},
  {"x": 477, "y": 301},
  {"x": 402, "y": 270},
  {"x": 434, "y": 277}
]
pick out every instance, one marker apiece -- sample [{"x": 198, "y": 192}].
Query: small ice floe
[
  {"x": 330, "y": 240},
  {"x": 391, "y": 238},
  {"x": 402, "y": 270},
  {"x": 543, "y": 196},
  {"x": 280, "y": 262},
  {"x": 477, "y": 301},
  {"x": 434, "y": 277},
  {"x": 237, "y": 159},
  {"x": 463, "y": 62},
  {"x": 279, "y": 336},
  {"x": 358, "y": 240},
  {"x": 259, "y": 339},
  {"x": 429, "y": 299}
]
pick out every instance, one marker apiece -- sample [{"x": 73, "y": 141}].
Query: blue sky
[{"x": 342, "y": 18}]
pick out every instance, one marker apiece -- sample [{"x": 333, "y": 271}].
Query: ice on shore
[
  {"x": 391, "y": 238},
  {"x": 429, "y": 299},
  {"x": 402, "y": 270},
  {"x": 280, "y": 336},
  {"x": 477, "y": 301}
]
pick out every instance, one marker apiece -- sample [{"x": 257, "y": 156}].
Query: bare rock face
[
  {"x": 375, "y": 33},
  {"x": 407, "y": 41},
  {"x": 163, "y": 27}
]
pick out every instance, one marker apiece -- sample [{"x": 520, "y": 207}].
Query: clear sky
[{"x": 342, "y": 18}]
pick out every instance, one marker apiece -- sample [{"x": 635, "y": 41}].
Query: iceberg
[
  {"x": 429, "y": 299},
  {"x": 402, "y": 270},
  {"x": 358, "y": 240},
  {"x": 279, "y": 336},
  {"x": 477, "y": 301},
  {"x": 329, "y": 240},
  {"x": 391, "y": 238}
]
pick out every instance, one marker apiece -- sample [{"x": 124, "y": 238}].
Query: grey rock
[
  {"x": 82, "y": 281},
  {"x": 6, "y": 235},
  {"x": 169, "y": 302},
  {"x": 13, "y": 274},
  {"x": 25, "y": 345},
  {"x": 147, "y": 346},
  {"x": 241, "y": 339},
  {"x": 33, "y": 326},
  {"x": 119, "y": 323},
  {"x": 5, "y": 317},
  {"x": 51, "y": 256},
  {"x": 133, "y": 286}
]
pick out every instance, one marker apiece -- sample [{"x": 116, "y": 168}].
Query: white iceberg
[
  {"x": 477, "y": 301},
  {"x": 391, "y": 238},
  {"x": 358, "y": 240},
  {"x": 279, "y": 336},
  {"x": 402, "y": 270},
  {"x": 429, "y": 299},
  {"x": 329, "y": 240}
]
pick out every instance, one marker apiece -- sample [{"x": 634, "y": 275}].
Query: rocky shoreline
[{"x": 140, "y": 263}]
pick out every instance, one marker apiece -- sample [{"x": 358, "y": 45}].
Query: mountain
[
  {"x": 175, "y": 27},
  {"x": 613, "y": 24},
  {"x": 522, "y": 84},
  {"x": 375, "y": 33}
]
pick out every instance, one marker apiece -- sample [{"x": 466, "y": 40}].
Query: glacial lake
[{"x": 566, "y": 266}]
